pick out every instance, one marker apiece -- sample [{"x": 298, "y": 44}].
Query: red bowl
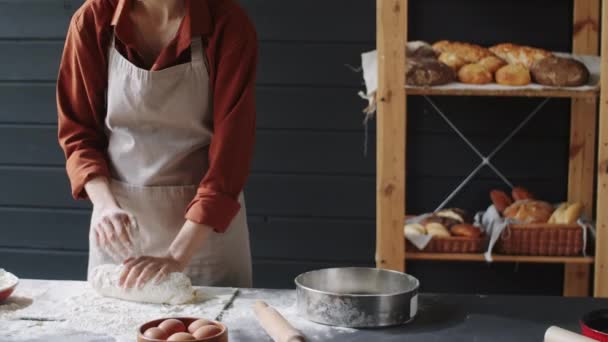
[
  {"x": 7, "y": 292},
  {"x": 595, "y": 325}
]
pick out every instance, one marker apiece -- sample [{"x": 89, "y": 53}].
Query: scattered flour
[
  {"x": 7, "y": 279},
  {"x": 175, "y": 289},
  {"x": 78, "y": 308},
  {"x": 244, "y": 326}
]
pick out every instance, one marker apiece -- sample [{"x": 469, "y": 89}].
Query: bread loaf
[
  {"x": 414, "y": 229},
  {"x": 474, "y": 74},
  {"x": 529, "y": 211},
  {"x": 560, "y": 72},
  {"x": 519, "y": 54},
  {"x": 566, "y": 213},
  {"x": 420, "y": 49},
  {"x": 492, "y": 63},
  {"x": 437, "y": 230},
  {"x": 470, "y": 53},
  {"x": 465, "y": 230},
  {"x": 428, "y": 72},
  {"x": 520, "y": 194},
  {"x": 452, "y": 60},
  {"x": 513, "y": 75},
  {"x": 500, "y": 200}
]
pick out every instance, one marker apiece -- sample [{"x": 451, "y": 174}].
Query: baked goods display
[
  {"x": 505, "y": 64},
  {"x": 428, "y": 72},
  {"x": 522, "y": 206},
  {"x": 539, "y": 228},
  {"x": 445, "y": 224},
  {"x": 560, "y": 72}
]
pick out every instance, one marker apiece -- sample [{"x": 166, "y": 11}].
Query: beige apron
[{"x": 158, "y": 126}]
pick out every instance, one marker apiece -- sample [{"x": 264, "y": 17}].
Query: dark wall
[{"x": 311, "y": 194}]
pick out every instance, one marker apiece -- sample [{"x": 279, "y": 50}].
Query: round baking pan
[
  {"x": 357, "y": 297},
  {"x": 595, "y": 325}
]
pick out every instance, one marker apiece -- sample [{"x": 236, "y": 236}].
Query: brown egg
[
  {"x": 207, "y": 331},
  {"x": 172, "y": 326},
  {"x": 197, "y": 324},
  {"x": 181, "y": 336},
  {"x": 156, "y": 333}
]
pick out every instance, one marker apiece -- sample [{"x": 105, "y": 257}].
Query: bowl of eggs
[{"x": 182, "y": 329}]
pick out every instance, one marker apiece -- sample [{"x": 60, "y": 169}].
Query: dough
[{"x": 175, "y": 289}]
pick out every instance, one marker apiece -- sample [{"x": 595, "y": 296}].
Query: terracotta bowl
[
  {"x": 221, "y": 337},
  {"x": 595, "y": 325},
  {"x": 8, "y": 291}
]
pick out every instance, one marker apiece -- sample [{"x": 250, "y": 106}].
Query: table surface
[{"x": 71, "y": 311}]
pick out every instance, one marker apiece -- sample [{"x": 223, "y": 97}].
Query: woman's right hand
[{"x": 113, "y": 231}]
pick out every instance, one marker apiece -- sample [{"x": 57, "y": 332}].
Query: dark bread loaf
[
  {"x": 428, "y": 72},
  {"x": 420, "y": 49},
  {"x": 560, "y": 72}
]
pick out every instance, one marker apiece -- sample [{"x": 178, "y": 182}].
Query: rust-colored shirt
[{"x": 231, "y": 51}]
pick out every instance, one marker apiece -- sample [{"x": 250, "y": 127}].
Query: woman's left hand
[{"x": 139, "y": 271}]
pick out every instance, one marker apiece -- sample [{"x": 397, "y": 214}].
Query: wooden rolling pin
[
  {"x": 275, "y": 325},
  {"x": 556, "y": 334}
]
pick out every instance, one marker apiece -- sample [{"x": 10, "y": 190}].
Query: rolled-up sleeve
[
  {"x": 80, "y": 103},
  {"x": 231, "y": 149}
]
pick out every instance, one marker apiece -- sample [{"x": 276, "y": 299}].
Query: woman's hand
[
  {"x": 113, "y": 231},
  {"x": 139, "y": 271}
]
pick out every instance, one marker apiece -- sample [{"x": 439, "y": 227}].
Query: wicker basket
[
  {"x": 541, "y": 239},
  {"x": 451, "y": 245}
]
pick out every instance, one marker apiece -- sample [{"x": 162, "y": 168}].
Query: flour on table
[
  {"x": 175, "y": 289},
  {"x": 78, "y": 308},
  {"x": 7, "y": 279}
]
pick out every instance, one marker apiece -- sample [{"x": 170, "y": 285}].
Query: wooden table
[{"x": 441, "y": 317}]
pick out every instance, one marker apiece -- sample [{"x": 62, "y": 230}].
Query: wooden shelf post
[
  {"x": 601, "y": 259},
  {"x": 582, "y": 138},
  {"x": 391, "y": 128}
]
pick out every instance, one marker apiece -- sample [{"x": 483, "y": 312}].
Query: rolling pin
[
  {"x": 275, "y": 325},
  {"x": 556, "y": 334}
]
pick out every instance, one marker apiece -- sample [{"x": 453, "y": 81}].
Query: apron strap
[{"x": 196, "y": 49}]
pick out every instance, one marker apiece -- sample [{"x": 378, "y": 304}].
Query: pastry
[
  {"x": 175, "y": 289},
  {"x": 437, "y": 230},
  {"x": 573, "y": 213},
  {"x": 492, "y": 63},
  {"x": 420, "y": 49},
  {"x": 558, "y": 214},
  {"x": 428, "y": 72},
  {"x": 470, "y": 53},
  {"x": 465, "y": 230},
  {"x": 452, "y": 60},
  {"x": 474, "y": 74},
  {"x": 414, "y": 229},
  {"x": 566, "y": 213},
  {"x": 457, "y": 215},
  {"x": 442, "y": 220},
  {"x": 520, "y": 193},
  {"x": 529, "y": 211},
  {"x": 500, "y": 200},
  {"x": 513, "y": 75},
  {"x": 519, "y": 54},
  {"x": 560, "y": 72}
]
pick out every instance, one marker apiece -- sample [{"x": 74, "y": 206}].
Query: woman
[{"x": 157, "y": 120}]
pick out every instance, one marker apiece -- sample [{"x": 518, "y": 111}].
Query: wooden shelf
[
  {"x": 455, "y": 90},
  {"x": 498, "y": 258}
]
